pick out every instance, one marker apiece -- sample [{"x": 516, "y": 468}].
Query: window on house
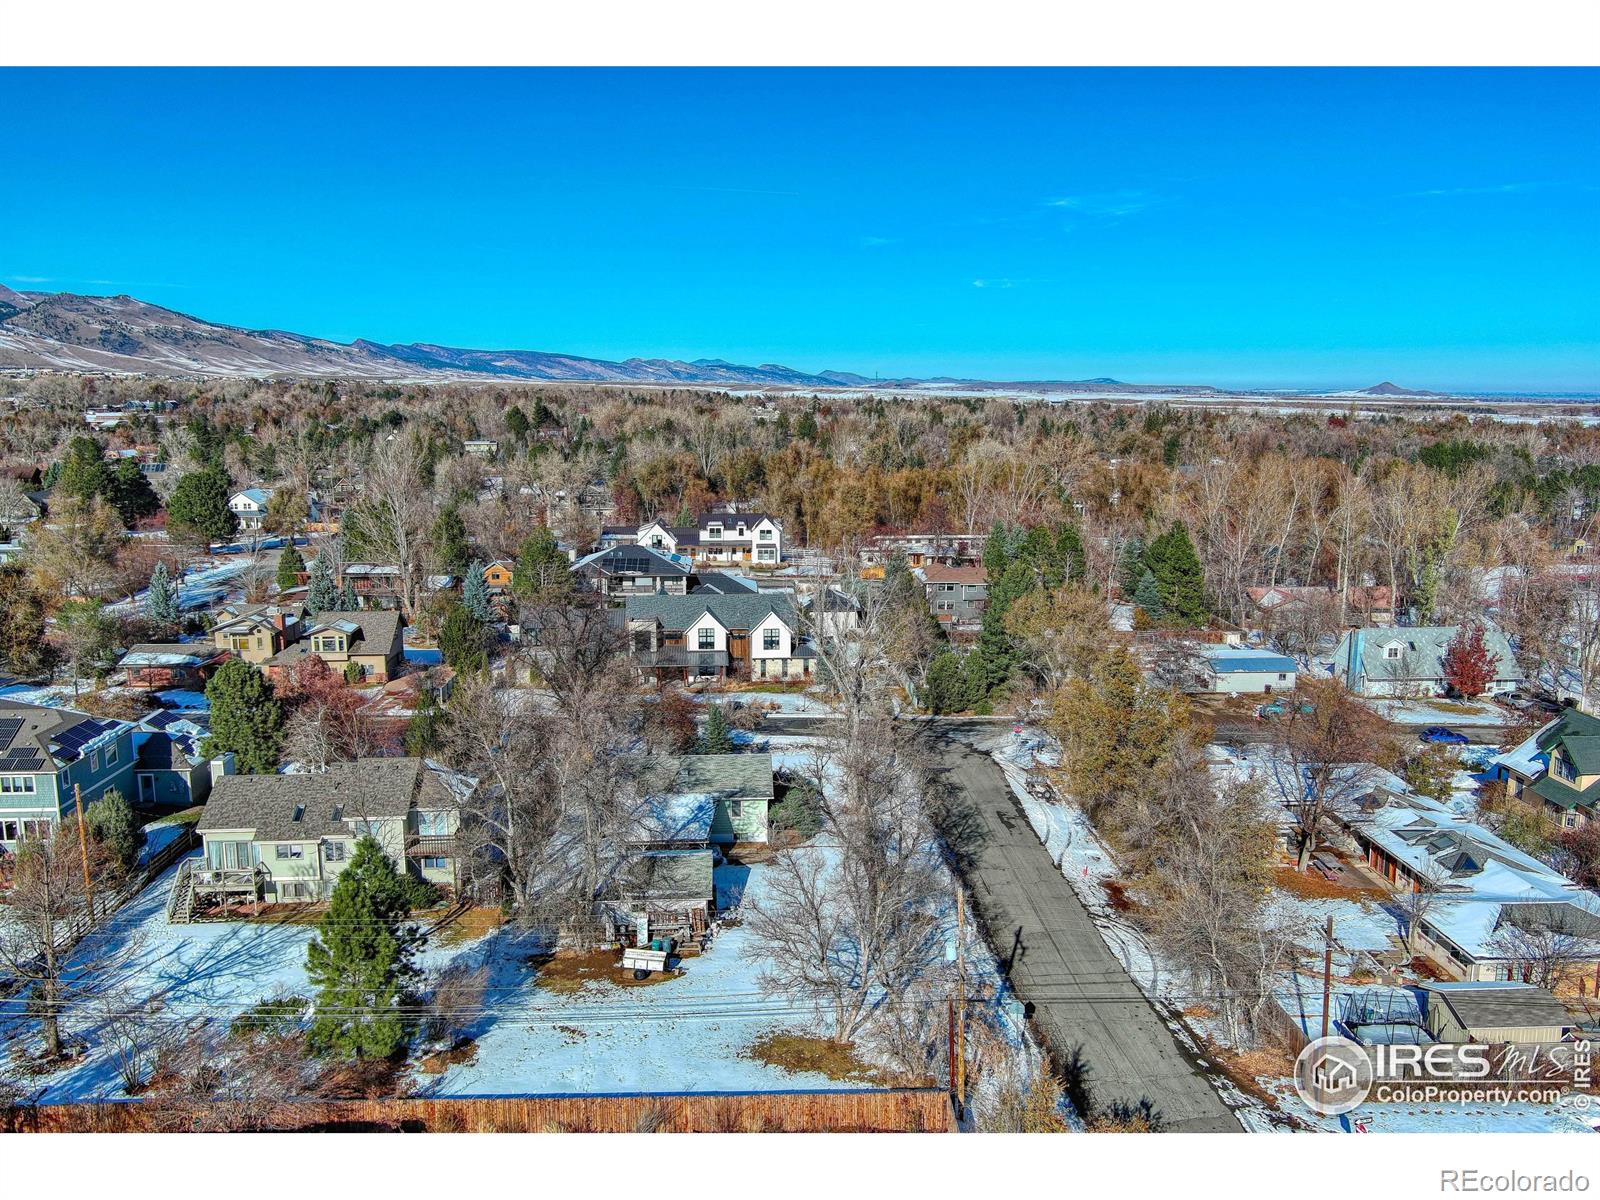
[
  {"x": 714, "y": 532},
  {"x": 230, "y": 856},
  {"x": 435, "y": 863},
  {"x": 766, "y": 535},
  {"x": 287, "y": 852},
  {"x": 708, "y": 639},
  {"x": 1282, "y": 676},
  {"x": 769, "y": 639},
  {"x": 9, "y": 831},
  {"x": 111, "y": 754},
  {"x": 433, "y": 824},
  {"x": 1564, "y": 768},
  {"x": 1391, "y": 652},
  {"x": 17, "y": 785},
  {"x": 238, "y": 643},
  {"x": 333, "y": 851},
  {"x": 94, "y": 760},
  {"x": 736, "y": 809},
  {"x": 367, "y": 829},
  {"x": 36, "y": 830}
]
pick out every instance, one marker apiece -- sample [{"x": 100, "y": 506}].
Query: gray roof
[
  {"x": 36, "y": 738},
  {"x": 304, "y": 807},
  {"x": 667, "y": 875},
  {"x": 632, "y": 560},
  {"x": 169, "y": 654},
  {"x": 740, "y": 612},
  {"x": 1502, "y": 1006},
  {"x": 732, "y": 776},
  {"x": 371, "y": 631},
  {"x": 720, "y": 583},
  {"x": 1361, "y": 653}
]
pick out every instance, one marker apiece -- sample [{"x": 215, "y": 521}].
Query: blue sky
[{"x": 1440, "y": 228}]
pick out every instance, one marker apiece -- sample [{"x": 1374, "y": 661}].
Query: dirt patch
[
  {"x": 464, "y": 1050},
  {"x": 798, "y": 1052},
  {"x": 748, "y": 854},
  {"x": 1425, "y": 968},
  {"x": 1245, "y": 1071},
  {"x": 466, "y": 926},
  {"x": 1117, "y": 896},
  {"x": 1312, "y": 885},
  {"x": 566, "y": 973}
]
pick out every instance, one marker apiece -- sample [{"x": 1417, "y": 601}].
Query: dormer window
[
  {"x": 1562, "y": 765},
  {"x": 1392, "y": 650},
  {"x": 714, "y": 532}
]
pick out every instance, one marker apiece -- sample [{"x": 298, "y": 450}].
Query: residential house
[
  {"x": 47, "y": 753},
  {"x": 621, "y": 571},
  {"x": 498, "y": 576},
  {"x": 1490, "y": 900},
  {"x": 1557, "y": 769},
  {"x": 368, "y": 639},
  {"x": 255, "y": 632},
  {"x": 376, "y": 585},
  {"x": 156, "y": 666},
  {"x": 482, "y": 447},
  {"x": 666, "y": 883},
  {"x": 1363, "y": 605},
  {"x": 286, "y": 838},
  {"x": 716, "y": 636},
  {"x": 957, "y": 595},
  {"x": 925, "y": 549},
  {"x": 739, "y": 787},
  {"x": 722, "y": 583},
  {"x": 170, "y": 768},
  {"x": 720, "y": 539},
  {"x": 250, "y": 508},
  {"x": 1410, "y": 661},
  {"x": 1495, "y": 1013},
  {"x": 17, "y": 511}
]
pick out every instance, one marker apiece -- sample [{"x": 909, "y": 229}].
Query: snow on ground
[
  {"x": 778, "y": 702},
  {"x": 1426, "y": 712},
  {"x": 184, "y": 699},
  {"x": 50, "y": 696}
]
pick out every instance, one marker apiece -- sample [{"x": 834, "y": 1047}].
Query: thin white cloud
[
  {"x": 1489, "y": 189},
  {"x": 1122, "y": 203},
  {"x": 30, "y": 278},
  {"x": 871, "y": 239},
  {"x": 1002, "y": 283}
]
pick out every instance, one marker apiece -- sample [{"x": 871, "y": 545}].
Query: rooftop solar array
[
  {"x": 25, "y": 760},
  {"x": 9, "y": 727}
]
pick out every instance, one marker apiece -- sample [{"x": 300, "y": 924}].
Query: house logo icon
[{"x": 1333, "y": 1075}]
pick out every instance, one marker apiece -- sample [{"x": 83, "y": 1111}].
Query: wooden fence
[{"x": 904, "y": 1110}]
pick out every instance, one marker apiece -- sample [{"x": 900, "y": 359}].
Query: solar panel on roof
[{"x": 9, "y": 728}]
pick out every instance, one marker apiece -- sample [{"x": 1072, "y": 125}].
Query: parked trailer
[{"x": 643, "y": 962}]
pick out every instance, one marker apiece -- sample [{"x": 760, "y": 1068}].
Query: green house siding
[
  {"x": 749, "y": 826},
  {"x": 103, "y": 775}
]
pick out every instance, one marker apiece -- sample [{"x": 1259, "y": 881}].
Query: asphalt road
[{"x": 1094, "y": 1016}]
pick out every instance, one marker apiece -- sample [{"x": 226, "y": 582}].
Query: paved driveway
[{"x": 1088, "y": 1007}]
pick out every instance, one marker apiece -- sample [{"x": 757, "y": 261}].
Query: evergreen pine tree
[
  {"x": 349, "y": 600},
  {"x": 475, "y": 593},
  {"x": 461, "y": 640},
  {"x": 542, "y": 570},
  {"x": 1069, "y": 549},
  {"x": 362, "y": 962},
  {"x": 944, "y": 691},
  {"x": 321, "y": 594},
  {"x": 161, "y": 601},
  {"x": 450, "y": 543},
  {"x": 83, "y": 474},
  {"x": 1130, "y": 566},
  {"x": 130, "y": 493},
  {"x": 1147, "y": 596},
  {"x": 716, "y": 738},
  {"x": 111, "y": 820},
  {"x": 200, "y": 504},
  {"x": 245, "y": 718},
  {"x": 997, "y": 552},
  {"x": 290, "y": 564},
  {"x": 1173, "y": 561}
]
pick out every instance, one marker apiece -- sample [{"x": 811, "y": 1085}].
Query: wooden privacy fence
[{"x": 902, "y": 1110}]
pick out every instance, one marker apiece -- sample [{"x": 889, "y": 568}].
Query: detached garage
[
  {"x": 1244, "y": 671},
  {"x": 1495, "y": 1012}
]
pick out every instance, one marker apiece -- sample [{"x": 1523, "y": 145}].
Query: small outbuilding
[{"x": 1495, "y": 1012}]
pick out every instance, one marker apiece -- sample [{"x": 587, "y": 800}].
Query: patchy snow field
[
  {"x": 684, "y": 1034},
  {"x": 1425, "y": 712}
]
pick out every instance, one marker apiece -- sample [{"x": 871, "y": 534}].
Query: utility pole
[
  {"x": 961, "y": 1003},
  {"x": 83, "y": 851},
  {"x": 950, "y": 1050},
  {"x": 1327, "y": 975}
]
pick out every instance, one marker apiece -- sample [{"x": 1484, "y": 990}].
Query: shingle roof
[
  {"x": 667, "y": 875},
  {"x": 733, "y": 776},
  {"x": 940, "y": 573},
  {"x": 309, "y": 806},
  {"x": 36, "y": 738},
  {"x": 632, "y": 560},
  {"x": 372, "y": 631},
  {"x": 1361, "y": 653},
  {"x": 169, "y": 654},
  {"x": 734, "y": 612},
  {"x": 1478, "y": 1007}
]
